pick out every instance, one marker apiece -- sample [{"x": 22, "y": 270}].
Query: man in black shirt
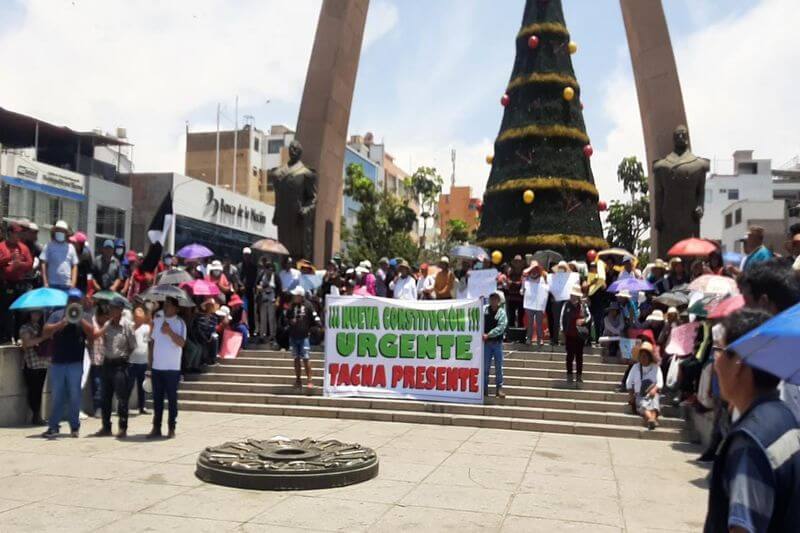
[
  {"x": 66, "y": 368},
  {"x": 301, "y": 317},
  {"x": 248, "y": 274},
  {"x": 106, "y": 268}
]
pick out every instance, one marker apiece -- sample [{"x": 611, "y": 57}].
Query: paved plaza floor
[{"x": 432, "y": 478}]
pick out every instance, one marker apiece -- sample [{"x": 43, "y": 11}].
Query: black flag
[{"x": 157, "y": 232}]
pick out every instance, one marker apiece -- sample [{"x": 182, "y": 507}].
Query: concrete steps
[{"x": 538, "y": 398}]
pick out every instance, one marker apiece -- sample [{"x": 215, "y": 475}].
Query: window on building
[
  {"x": 274, "y": 146},
  {"x": 110, "y": 222},
  {"x": 728, "y": 220},
  {"x": 255, "y": 143},
  {"x": 738, "y": 217},
  {"x": 733, "y": 194}
]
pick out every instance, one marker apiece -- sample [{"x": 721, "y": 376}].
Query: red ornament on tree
[
  {"x": 504, "y": 101},
  {"x": 588, "y": 150},
  {"x": 602, "y": 205},
  {"x": 533, "y": 42},
  {"x": 591, "y": 255}
]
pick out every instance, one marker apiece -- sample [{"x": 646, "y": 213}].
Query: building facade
[
  {"x": 751, "y": 181},
  {"x": 50, "y": 173},
  {"x": 215, "y": 217},
  {"x": 255, "y": 152},
  {"x": 458, "y": 204}
]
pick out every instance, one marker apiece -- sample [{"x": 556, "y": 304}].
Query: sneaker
[
  {"x": 651, "y": 426},
  {"x": 74, "y": 434},
  {"x": 103, "y": 433},
  {"x": 83, "y": 416},
  {"x": 50, "y": 433},
  {"x": 171, "y": 433},
  {"x": 122, "y": 433},
  {"x": 144, "y": 411},
  {"x": 500, "y": 394},
  {"x": 154, "y": 434}
]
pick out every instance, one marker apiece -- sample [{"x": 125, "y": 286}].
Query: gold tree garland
[
  {"x": 544, "y": 131},
  {"x": 543, "y": 184},
  {"x": 542, "y": 77},
  {"x": 543, "y": 27},
  {"x": 549, "y": 241}
]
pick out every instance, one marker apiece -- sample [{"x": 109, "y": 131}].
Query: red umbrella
[
  {"x": 692, "y": 247},
  {"x": 201, "y": 287},
  {"x": 726, "y": 307}
]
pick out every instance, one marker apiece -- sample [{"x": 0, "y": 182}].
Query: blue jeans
[
  {"x": 300, "y": 347},
  {"x": 165, "y": 383},
  {"x": 96, "y": 383},
  {"x": 65, "y": 382},
  {"x": 492, "y": 350},
  {"x": 137, "y": 376}
]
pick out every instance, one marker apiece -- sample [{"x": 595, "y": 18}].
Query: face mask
[
  {"x": 168, "y": 261},
  {"x": 119, "y": 251},
  {"x": 60, "y": 237}
]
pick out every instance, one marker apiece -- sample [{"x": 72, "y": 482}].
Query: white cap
[
  {"x": 215, "y": 265},
  {"x": 61, "y": 225},
  {"x": 33, "y": 226},
  {"x": 247, "y": 250},
  {"x": 444, "y": 259},
  {"x": 298, "y": 291},
  {"x": 223, "y": 311}
]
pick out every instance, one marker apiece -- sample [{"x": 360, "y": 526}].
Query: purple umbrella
[
  {"x": 631, "y": 285},
  {"x": 194, "y": 251}
]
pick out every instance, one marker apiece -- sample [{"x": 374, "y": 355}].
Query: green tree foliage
[
  {"x": 629, "y": 222},
  {"x": 426, "y": 185},
  {"x": 383, "y": 222},
  {"x": 457, "y": 231}
]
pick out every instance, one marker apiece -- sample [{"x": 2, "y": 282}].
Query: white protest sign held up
[
  {"x": 561, "y": 283},
  {"x": 481, "y": 283},
  {"x": 385, "y": 348},
  {"x": 536, "y": 293}
]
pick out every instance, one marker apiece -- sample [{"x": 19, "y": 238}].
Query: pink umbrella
[
  {"x": 692, "y": 247},
  {"x": 201, "y": 287},
  {"x": 711, "y": 284},
  {"x": 726, "y": 307}
]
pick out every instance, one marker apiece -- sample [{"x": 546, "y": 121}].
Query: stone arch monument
[{"x": 328, "y": 94}]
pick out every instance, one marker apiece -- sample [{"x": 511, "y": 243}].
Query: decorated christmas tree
[{"x": 541, "y": 192}]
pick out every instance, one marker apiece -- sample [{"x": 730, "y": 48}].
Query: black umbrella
[
  {"x": 174, "y": 276},
  {"x": 159, "y": 293},
  {"x": 546, "y": 258}
]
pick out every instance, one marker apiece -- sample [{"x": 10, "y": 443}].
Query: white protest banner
[
  {"x": 481, "y": 283},
  {"x": 385, "y": 348},
  {"x": 561, "y": 283},
  {"x": 535, "y": 294}
]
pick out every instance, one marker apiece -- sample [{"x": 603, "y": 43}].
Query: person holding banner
[
  {"x": 404, "y": 286},
  {"x": 302, "y": 318},
  {"x": 494, "y": 328},
  {"x": 535, "y": 291}
]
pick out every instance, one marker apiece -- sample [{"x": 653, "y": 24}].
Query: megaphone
[{"x": 74, "y": 313}]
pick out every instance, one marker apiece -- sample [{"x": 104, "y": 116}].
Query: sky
[{"x": 430, "y": 78}]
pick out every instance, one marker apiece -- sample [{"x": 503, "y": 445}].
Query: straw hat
[
  {"x": 647, "y": 347},
  {"x": 655, "y": 316},
  {"x": 576, "y": 291},
  {"x": 61, "y": 225}
]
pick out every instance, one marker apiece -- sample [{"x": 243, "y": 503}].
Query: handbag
[
  {"x": 673, "y": 372},
  {"x": 646, "y": 384}
]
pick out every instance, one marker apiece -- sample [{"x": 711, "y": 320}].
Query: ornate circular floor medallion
[{"x": 281, "y": 463}]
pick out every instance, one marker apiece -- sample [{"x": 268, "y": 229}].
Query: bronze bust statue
[
  {"x": 295, "y": 202},
  {"x": 680, "y": 180}
]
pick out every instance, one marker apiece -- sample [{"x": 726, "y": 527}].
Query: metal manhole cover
[{"x": 286, "y": 464}]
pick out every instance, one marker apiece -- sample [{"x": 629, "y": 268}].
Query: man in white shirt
[
  {"x": 289, "y": 278},
  {"x": 167, "y": 340},
  {"x": 404, "y": 286},
  {"x": 628, "y": 271},
  {"x": 424, "y": 283}
]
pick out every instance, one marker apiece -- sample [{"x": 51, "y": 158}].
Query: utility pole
[
  {"x": 216, "y": 162},
  {"x": 235, "y": 143},
  {"x": 453, "y": 177}
]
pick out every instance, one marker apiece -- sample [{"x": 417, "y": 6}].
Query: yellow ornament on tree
[
  {"x": 528, "y": 196},
  {"x": 573, "y": 47},
  {"x": 497, "y": 257},
  {"x": 569, "y": 94},
  {"x": 489, "y": 159}
]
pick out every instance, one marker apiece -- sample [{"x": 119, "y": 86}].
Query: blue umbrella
[
  {"x": 469, "y": 251},
  {"x": 632, "y": 285},
  {"x": 772, "y": 347},
  {"x": 40, "y": 298}
]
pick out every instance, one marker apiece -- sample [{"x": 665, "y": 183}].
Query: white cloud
[
  {"x": 150, "y": 65},
  {"x": 739, "y": 85},
  {"x": 382, "y": 17}
]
